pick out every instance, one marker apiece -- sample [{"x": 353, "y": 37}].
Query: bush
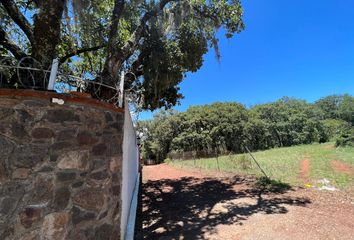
[
  {"x": 346, "y": 138},
  {"x": 334, "y": 127}
]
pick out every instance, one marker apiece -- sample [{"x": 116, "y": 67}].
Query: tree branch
[
  {"x": 16, "y": 15},
  {"x": 10, "y": 46},
  {"x": 79, "y": 51},
  {"x": 112, "y": 41},
  {"x": 116, "y": 15},
  {"x": 47, "y": 30},
  {"x": 129, "y": 47},
  {"x": 117, "y": 57},
  {"x": 205, "y": 14}
]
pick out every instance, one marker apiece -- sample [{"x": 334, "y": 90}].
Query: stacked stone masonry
[{"x": 60, "y": 170}]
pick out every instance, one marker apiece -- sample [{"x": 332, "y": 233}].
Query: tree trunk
[
  {"x": 112, "y": 63},
  {"x": 279, "y": 138},
  {"x": 47, "y": 27}
]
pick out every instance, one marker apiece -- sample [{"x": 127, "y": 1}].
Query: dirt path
[
  {"x": 158, "y": 172},
  {"x": 329, "y": 147},
  {"x": 342, "y": 167},
  {"x": 305, "y": 170},
  {"x": 180, "y": 205}
]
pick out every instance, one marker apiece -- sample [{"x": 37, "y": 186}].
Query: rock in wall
[{"x": 60, "y": 167}]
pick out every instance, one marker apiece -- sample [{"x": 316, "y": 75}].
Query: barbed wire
[
  {"x": 25, "y": 72},
  {"x": 28, "y": 73}
]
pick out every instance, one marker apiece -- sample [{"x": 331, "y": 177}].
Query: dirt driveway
[{"x": 179, "y": 204}]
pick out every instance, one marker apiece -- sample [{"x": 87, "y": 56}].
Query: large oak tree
[{"x": 155, "y": 42}]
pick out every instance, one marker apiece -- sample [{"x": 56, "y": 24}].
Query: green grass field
[{"x": 283, "y": 164}]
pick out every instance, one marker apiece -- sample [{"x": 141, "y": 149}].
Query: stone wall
[{"x": 60, "y": 167}]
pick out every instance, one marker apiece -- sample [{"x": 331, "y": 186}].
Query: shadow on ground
[{"x": 192, "y": 207}]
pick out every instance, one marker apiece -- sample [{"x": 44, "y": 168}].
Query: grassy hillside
[{"x": 299, "y": 165}]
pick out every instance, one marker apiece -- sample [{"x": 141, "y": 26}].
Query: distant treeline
[{"x": 222, "y": 128}]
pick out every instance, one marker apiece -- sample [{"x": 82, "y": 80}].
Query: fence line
[
  {"x": 14, "y": 75},
  {"x": 245, "y": 161}
]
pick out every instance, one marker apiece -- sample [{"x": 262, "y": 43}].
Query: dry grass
[{"x": 283, "y": 164}]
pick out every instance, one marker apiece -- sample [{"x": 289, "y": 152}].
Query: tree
[
  {"x": 155, "y": 42},
  {"x": 346, "y": 109},
  {"x": 337, "y": 107},
  {"x": 221, "y": 128},
  {"x": 291, "y": 121},
  {"x": 330, "y": 106},
  {"x": 157, "y": 135},
  {"x": 334, "y": 127}
]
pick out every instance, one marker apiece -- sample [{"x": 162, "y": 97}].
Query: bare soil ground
[
  {"x": 181, "y": 204},
  {"x": 305, "y": 169},
  {"x": 342, "y": 167},
  {"x": 329, "y": 147}
]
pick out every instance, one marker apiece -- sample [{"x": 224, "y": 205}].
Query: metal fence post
[
  {"x": 259, "y": 166},
  {"x": 53, "y": 74},
  {"x": 121, "y": 89}
]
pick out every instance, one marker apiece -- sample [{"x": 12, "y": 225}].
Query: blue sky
[{"x": 302, "y": 49}]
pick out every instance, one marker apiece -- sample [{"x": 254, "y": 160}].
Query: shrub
[
  {"x": 334, "y": 127},
  {"x": 346, "y": 138}
]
